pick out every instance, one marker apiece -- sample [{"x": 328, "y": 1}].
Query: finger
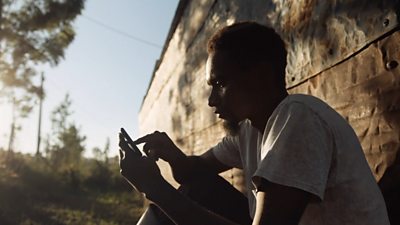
[
  {"x": 121, "y": 155},
  {"x": 121, "y": 160},
  {"x": 143, "y": 139},
  {"x": 147, "y": 138},
  {"x": 151, "y": 152},
  {"x": 146, "y": 148},
  {"x": 153, "y": 155}
]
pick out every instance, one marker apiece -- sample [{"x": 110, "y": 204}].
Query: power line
[
  {"x": 82, "y": 108},
  {"x": 110, "y": 28}
]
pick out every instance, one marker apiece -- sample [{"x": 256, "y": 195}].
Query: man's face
[{"x": 230, "y": 93}]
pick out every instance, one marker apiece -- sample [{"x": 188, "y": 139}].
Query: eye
[{"x": 219, "y": 84}]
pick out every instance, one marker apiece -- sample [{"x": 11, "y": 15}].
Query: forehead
[
  {"x": 218, "y": 67},
  {"x": 208, "y": 70}
]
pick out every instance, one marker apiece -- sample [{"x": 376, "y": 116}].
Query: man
[{"x": 303, "y": 163}]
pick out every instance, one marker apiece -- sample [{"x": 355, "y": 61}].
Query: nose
[{"x": 213, "y": 98}]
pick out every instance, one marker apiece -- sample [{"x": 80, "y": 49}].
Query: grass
[{"x": 30, "y": 195}]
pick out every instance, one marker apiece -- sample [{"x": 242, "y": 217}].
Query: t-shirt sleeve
[
  {"x": 227, "y": 152},
  {"x": 297, "y": 151}
]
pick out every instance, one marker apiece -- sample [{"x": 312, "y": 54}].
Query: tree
[
  {"x": 66, "y": 144},
  {"x": 33, "y": 32},
  {"x": 101, "y": 174},
  {"x": 102, "y": 154}
]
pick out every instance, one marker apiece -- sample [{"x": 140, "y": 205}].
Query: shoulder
[
  {"x": 295, "y": 104},
  {"x": 304, "y": 101},
  {"x": 299, "y": 112},
  {"x": 299, "y": 105},
  {"x": 309, "y": 102}
]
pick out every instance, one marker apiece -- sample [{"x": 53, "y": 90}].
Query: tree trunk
[{"x": 1, "y": 22}]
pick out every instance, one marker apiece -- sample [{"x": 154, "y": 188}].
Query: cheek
[
  {"x": 241, "y": 102},
  {"x": 235, "y": 100}
]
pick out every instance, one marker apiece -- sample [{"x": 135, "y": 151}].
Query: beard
[{"x": 231, "y": 127}]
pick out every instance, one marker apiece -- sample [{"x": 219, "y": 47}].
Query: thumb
[{"x": 121, "y": 155}]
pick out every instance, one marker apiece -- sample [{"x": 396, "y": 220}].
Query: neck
[{"x": 260, "y": 118}]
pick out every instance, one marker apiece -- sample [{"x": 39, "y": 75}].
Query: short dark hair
[{"x": 248, "y": 43}]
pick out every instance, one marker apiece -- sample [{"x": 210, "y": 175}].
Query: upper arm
[
  {"x": 298, "y": 150},
  {"x": 213, "y": 163},
  {"x": 278, "y": 204}
]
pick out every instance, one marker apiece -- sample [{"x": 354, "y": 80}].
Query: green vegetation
[
  {"x": 60, "y": 186},
  {"x": 31, "y": 192}
]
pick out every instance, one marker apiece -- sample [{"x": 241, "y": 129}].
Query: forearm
[
  {"x": 190, "y": 167},
  {"x": 185, "y": 167},
  {"x": 181, "y": 209}
]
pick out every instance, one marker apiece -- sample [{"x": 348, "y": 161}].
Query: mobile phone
[{"x": 134, "y": 148}]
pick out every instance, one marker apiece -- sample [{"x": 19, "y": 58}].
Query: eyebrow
[
  {"x": 211, "y": 81},
  {"x": 213, "y": 78}
]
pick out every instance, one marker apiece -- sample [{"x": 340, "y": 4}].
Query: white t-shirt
[{"x": 308, "y": 145}]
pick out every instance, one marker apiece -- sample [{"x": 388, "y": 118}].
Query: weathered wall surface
[
  {"x": 344, "y": 52},
  {"x": 365, "y": 89}
]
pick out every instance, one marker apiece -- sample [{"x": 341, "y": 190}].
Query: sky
[{"x": 106, "y": 72}]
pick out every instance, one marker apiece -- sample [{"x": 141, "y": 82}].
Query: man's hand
[
  {"x": 159, "y": 145},
  {"x": 140, "y": 171},
  {"x": 144, "y": 175}
]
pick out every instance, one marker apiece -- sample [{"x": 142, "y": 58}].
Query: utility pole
[
  {"x": 1, "y": 14},
  {"x": 12, "y": 133},
  {"x": 1, "y": 21},
  {"x": 40, "y": 115}
]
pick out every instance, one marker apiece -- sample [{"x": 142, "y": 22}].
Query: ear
[{"x": 261, "y": 74}]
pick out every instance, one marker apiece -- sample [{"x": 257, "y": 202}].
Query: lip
[{"x": 220, "y": 115}]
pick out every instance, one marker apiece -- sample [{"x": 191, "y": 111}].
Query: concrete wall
[{"x": 345, "y": 52}]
